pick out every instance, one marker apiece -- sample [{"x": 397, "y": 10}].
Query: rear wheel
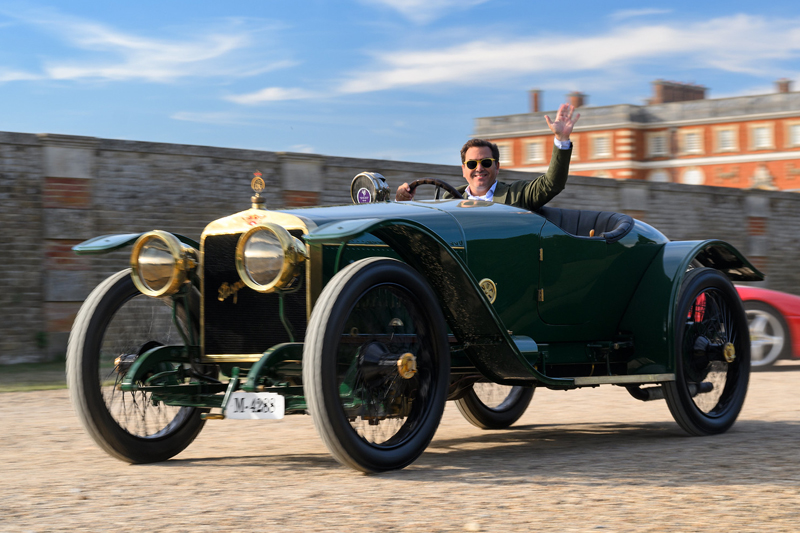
[
  {"x": 494, "y": 406},
  {"x": 769, "y": 335},
  {"x": 115, "y": 325},
  {"x": 712, "y": 360},
  {"x": 376, "y": 365}
]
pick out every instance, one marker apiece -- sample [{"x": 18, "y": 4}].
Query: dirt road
[{"x": 584, "y": 460}]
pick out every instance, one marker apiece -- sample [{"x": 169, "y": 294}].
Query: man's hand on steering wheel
[
  {"x": 406, "y": 190},
  {"x": 404, "y": 193}
]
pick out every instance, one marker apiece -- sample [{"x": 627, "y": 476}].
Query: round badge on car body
[
  {"x": 364, "y": 196},
  {"x": 489, "y": 289}
]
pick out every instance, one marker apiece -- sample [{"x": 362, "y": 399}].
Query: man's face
[{"x": 480, "y": 179}]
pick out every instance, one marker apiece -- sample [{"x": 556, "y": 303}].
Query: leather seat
[{"x": 606, "y": 224}]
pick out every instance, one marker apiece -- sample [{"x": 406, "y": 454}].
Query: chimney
[
  {"x": 536, "y": 100},
  {"x": 784, "y": 85},
  {"x": 576, "y": 99},
  {"x": 665, "y": 92}
]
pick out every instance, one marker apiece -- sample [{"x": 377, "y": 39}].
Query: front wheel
[
  {"x": 115, "y": 325},
  {"x": 712, "y": 359},
  {"x": 494, "y": 406},
  {"x": 376, "y": 365}
]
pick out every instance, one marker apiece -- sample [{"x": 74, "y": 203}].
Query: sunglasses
[{"x": 485, "y": 163}]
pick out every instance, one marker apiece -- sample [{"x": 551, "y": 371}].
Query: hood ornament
[{"x": 258, "y": 185}]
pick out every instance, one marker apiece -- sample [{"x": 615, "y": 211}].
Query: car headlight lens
[
  {"x": 268, "y": 257},
  {"x": 160, "y": 263}
]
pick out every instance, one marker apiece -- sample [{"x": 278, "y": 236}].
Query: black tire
[
  {"x": 770, "y": 338},
  {"x": 369, "y": 314},
  {"x": 492, "y": 406},
  {"x": 709, "y": 309},
  {"x": 117, "y": 319}
]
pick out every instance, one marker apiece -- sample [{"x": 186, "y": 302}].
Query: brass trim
[
  {"x": 636, "y": 378},
  {"x": 232, "y": 358},
  {"x": 239, "y": 223},
  {"x": 489, "y": 289},
  {"x": 729, "y": 352},
  {"x": 541, "y": 295},
  {"x": 184, "y": 260},
  {"x": 294, "y": 253}
]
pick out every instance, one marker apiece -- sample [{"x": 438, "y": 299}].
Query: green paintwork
[
  {"x": 110, "y": 243},
  {"x": 653, "y": 326},
  {"x": 607, "y": 308},
  {"x": 272, "y": 358},
  {"x": 152, "y": 359}
]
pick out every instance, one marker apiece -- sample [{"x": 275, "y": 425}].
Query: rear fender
[
  {"x": 468, "y": 313},
  {"x": 650, "y": 316}
]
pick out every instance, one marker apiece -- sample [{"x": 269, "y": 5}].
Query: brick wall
[{"x": 58, "y": 190}]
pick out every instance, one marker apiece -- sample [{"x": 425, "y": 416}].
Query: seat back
[{"x": 606, "y": 224}]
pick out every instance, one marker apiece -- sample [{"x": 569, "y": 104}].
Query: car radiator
[{"x": 244, "y": 321}]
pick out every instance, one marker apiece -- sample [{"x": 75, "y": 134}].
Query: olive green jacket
[{"x": 533, "y": 194}]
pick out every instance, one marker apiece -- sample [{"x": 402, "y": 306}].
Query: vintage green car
[{"x": 369, "y": 317}]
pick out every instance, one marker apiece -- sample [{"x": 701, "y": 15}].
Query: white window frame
[
  {"x": 698, "y": 170},
  {"x": 769, "y": 143},
  {"x": 718, "y": 133},
  {"x": 684, "y": 136},
  {"x": 506, "y": 153},
  {"x": 652, "y": 138},
  {"x": 793, "y": 126},
  {"x": 607, "y": 138},
  {"x": 541, "y": 156}
]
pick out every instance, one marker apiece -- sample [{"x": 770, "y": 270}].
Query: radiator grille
[{"x": 251, "y": 325}]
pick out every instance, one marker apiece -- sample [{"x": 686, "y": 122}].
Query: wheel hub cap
[
  {"x": 729, "y": 352},
  {"x": 407, "y": 366}
]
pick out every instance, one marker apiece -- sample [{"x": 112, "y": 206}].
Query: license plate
[{"x": 255, "y": 406}]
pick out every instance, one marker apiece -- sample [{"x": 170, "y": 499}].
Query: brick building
[{"x": 679, "y": 136}]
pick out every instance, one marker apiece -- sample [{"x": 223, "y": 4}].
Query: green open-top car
[{"x": 369, "y": 317}]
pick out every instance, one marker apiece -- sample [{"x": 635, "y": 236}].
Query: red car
[{"x": 774, "y": 320}]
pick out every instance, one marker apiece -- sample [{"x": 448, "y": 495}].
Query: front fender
[
  {"x": 109, "y": 243},
  {"x": 470, "y": 316},
  {"x": 650, "y": 316}
]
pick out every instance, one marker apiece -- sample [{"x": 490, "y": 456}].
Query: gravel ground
[{"x": 586, "y": 460}]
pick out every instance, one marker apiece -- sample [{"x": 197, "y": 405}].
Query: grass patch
[{"x": 33, "y": 376}]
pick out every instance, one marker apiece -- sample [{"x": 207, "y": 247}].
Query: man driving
[{"x": 480, "y": 165}]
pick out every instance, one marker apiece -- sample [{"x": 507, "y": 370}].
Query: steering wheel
[{"x": 439, "y": 185}]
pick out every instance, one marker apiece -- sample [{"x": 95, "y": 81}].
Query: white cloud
[
  {"x": 632, "y": 13},
  {"x": 425, "y": 11},
  {"x": 302, "y": 148},
  {"x": 714, "y": 44},
  {"x": 270, "y": 94},
  {"x": 109, "y": 54},
  {"x": 16, "y": 75}
]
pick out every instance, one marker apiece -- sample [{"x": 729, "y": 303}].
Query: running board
[{"x": 623, "y": 380}]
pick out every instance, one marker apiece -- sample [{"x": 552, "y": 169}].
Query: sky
[{"x": 387, "y": 79}]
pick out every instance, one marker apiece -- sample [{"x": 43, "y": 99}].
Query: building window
[
  {"x": 692, "y": 142},
  {"x": 505, "y": 153},
  {"x": 693, "y": 176},
  {"x": 761, "y": 137},
  {"x": 657, "y": 144},
  {"x": 793, "y": 135},
  {"x": 726, "y": 139},
  {"x": 659, "y": 176},
  {"x": 534, "y": 152},
  {"x": 574, "y": 140},
  {"x": 601, "y": 146}
]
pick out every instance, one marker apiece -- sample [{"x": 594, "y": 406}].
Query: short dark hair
[{"x": 480, "y": 142}]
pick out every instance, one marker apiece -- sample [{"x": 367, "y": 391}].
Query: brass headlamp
[
  {"x": 161, "y": 263},
  {"x": 268, "y": 258}
]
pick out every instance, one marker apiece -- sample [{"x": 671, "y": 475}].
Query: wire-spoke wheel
[
  {"x": 769, "y": 335},
  {"x": 712, "y": 360},
  {"x": 115, "y": 325},
  {"x": 494, "y": 406},
  {"x": 376, "y": 365}
]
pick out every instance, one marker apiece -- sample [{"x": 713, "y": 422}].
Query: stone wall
[{"x": 56, "y": 191}]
